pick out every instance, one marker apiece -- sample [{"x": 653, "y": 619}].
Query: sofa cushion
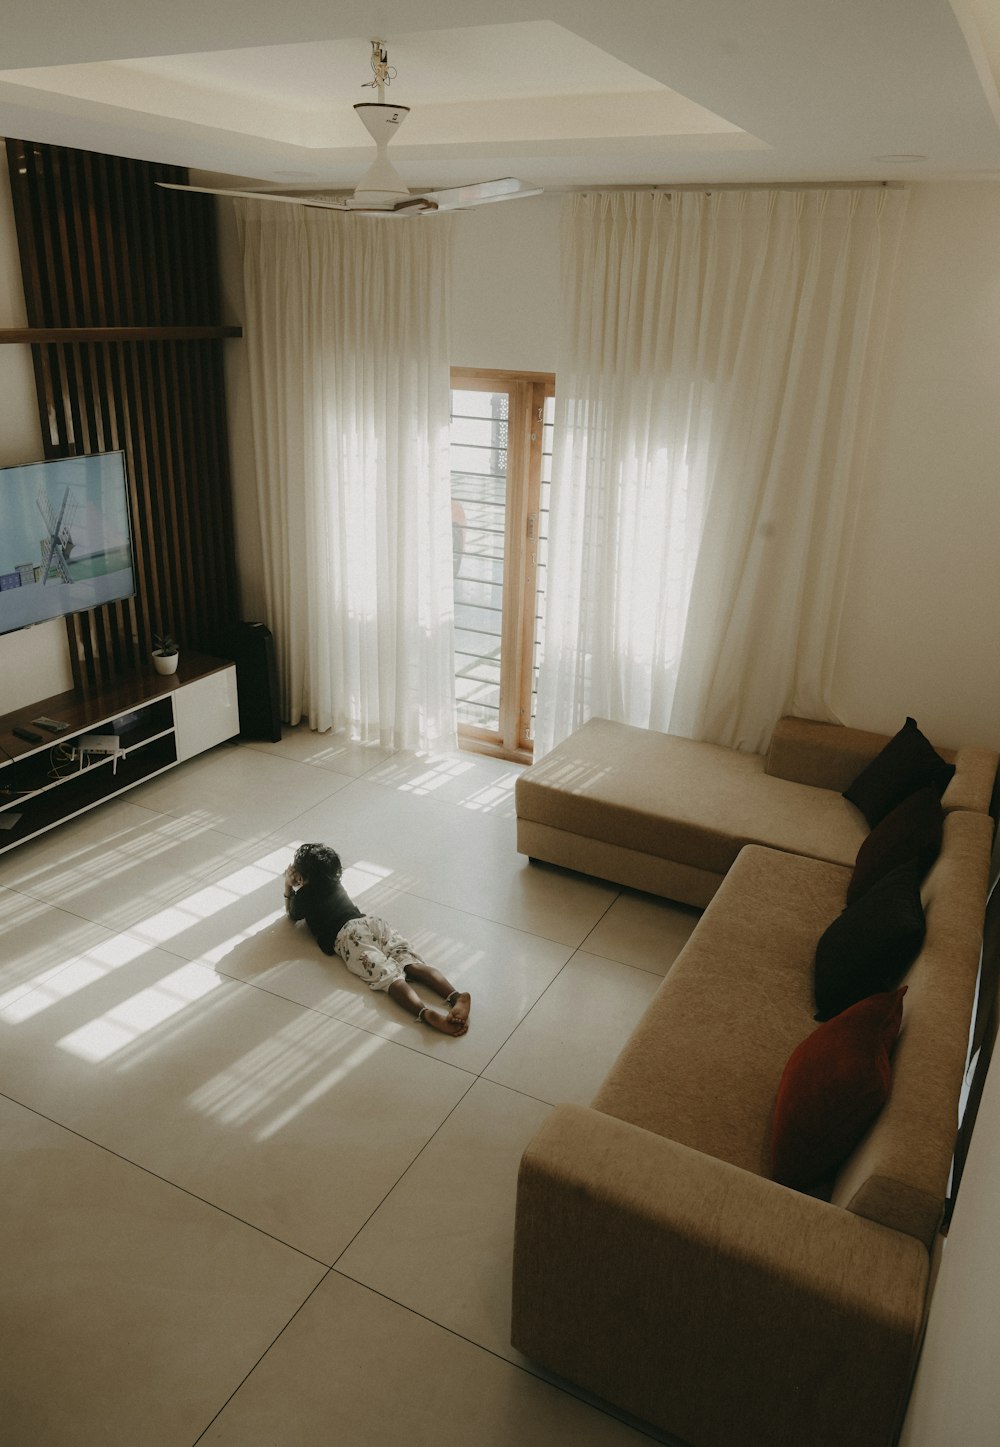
[
  {"x": 871, "y": 944},
  {"x": 911, "y": 831},
  {"x": 703, "y": 1064},
  {"x": 908, "y": 762},
  {"x": 680, "y": 799},
  {"x": 833, "y": 1087}
]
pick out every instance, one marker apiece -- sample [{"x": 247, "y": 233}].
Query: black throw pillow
[
  {"x": 911, "y": 831},
  {"x": 908, "y": 762},
  {"x": 871, "y": 944}
]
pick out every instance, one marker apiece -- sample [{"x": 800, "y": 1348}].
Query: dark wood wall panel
[{"x": 102, "y": 246}]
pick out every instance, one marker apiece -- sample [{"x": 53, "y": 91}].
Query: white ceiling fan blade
[
  {"x": 456, "y": 198},
  {"x": 325, "y": 200},
  {"x": 315, "y": 198},
  {"x": 479, "y": 193}
]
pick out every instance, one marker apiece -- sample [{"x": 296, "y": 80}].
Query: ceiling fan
[{"x": 381, "y": 191}]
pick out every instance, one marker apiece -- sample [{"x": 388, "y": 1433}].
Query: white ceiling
[{"x": 563, "y": 93}]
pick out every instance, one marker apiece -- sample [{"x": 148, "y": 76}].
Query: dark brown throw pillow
[
  {"x": 832, "y": 1088},
  {"x": 908, "y": 762},
  {"x": 868, "y": 947},
  {"x": 911, "y": 831}
]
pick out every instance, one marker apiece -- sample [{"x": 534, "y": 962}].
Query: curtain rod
[{"x": 708, "y": 187}]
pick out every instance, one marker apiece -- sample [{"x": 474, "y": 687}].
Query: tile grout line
[
  {"x": 405, "y": 1171},
  {"x": 490, "y": 1351},
  {"x": 566, "y": 1391},
  {"x": 534, "y": 1005},
  {"x": 249, "y": 1373},
  {"x": 164, "y": 1180}
]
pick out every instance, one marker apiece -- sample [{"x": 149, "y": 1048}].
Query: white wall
[
  {"x": 956, "y": 1395},
  {"x": 34, "y": 663},
  {"x": 920, "y": 631},
  {"x": 505, "y": 286}
]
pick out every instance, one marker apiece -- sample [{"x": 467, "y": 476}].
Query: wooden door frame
[{"x": 527, "y": 392}]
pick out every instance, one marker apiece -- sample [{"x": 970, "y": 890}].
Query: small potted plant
[{"x": 165, "y": 653}]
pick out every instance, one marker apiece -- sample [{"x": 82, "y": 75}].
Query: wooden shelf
[{"x": 117, "y": 334}]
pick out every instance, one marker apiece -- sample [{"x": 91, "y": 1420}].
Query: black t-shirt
[{"x": 325, "y": 910}]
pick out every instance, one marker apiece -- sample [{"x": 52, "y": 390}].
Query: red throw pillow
[{"x": 832, "y": 1088}]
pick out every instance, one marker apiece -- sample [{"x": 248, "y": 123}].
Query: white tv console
[{"x": 158, "y": 722}]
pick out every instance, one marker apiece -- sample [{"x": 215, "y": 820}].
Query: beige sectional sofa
[
  {"x": 656, "y": 1264},
  {"x": 669, "y": 815}
]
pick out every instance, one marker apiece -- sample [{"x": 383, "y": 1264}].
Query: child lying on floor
[{"x": 369, "y": 947}]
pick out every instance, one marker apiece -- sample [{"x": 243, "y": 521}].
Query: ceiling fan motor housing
[{"x": 381, "y": 184}]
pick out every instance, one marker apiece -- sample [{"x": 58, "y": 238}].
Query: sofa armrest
[
  {"x": 973, "y": 782},
  {"x": 699, "y": 1296}
]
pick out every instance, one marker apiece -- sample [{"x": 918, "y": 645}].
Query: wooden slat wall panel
[{"x": 101, "y": 246}]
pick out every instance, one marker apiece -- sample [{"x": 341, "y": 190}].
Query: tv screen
[{"x": 65, "y": 540}]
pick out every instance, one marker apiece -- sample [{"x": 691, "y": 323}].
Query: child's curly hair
[{"x": 317, "y": 863}]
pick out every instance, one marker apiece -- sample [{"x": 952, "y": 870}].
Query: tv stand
[{"x": 146, "y": 723}]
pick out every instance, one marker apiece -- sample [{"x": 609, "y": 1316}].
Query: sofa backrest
[
  {"x": 899, "y": 1173},
  {"x": 831, "y": 755}
]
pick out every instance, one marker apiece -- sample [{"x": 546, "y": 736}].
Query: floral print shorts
[{"x": 374, "y": 951}]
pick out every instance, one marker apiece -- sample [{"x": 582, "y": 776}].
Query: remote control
[{"x": 28, "y": 735}]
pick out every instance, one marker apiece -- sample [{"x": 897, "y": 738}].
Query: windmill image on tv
[{"x": 58, "y": 545}]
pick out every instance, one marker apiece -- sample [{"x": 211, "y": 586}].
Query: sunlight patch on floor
[
  {"x": 94, "y": 864},
  {"x": 278, "y": 1078},
  {"x": 420, "y": 773},
  {"x": 428, "y": 774},
  {"x": 55, "y": 985},
  {"x": 363, "y": 876},
  {"x": 118, "y": 1027},
  {"x": 492, "y": 797},
  {"x": 206, "y": 902}
]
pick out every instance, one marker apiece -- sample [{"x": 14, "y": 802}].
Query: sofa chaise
[{"x": 669, "y": 815}]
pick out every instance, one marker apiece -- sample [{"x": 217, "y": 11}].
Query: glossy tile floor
[{"x": 247, "y": 1201}]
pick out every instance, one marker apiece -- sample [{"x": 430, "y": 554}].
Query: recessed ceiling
[
  {"x": 494, "y": 83},
  {"x": 565, "y": 92}
]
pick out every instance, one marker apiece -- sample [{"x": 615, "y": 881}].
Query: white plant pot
[{"x": 165, "y": 662}]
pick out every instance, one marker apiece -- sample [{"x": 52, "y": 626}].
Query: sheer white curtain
[
  {"x": 713, "y": 391},
  {"x": 347, "y": 337}
]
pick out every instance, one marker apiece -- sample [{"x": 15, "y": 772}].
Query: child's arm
[{"x": 292, "y": 883}]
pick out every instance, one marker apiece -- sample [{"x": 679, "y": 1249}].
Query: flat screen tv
[{"x": 65, "y": 539}]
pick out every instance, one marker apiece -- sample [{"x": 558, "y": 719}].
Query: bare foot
[
  {"x": 445, "y": 1023},
  {"x": 461, "y": 1005}
]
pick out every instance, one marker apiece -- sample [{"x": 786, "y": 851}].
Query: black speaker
[{"x": 251, "y": 647}]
